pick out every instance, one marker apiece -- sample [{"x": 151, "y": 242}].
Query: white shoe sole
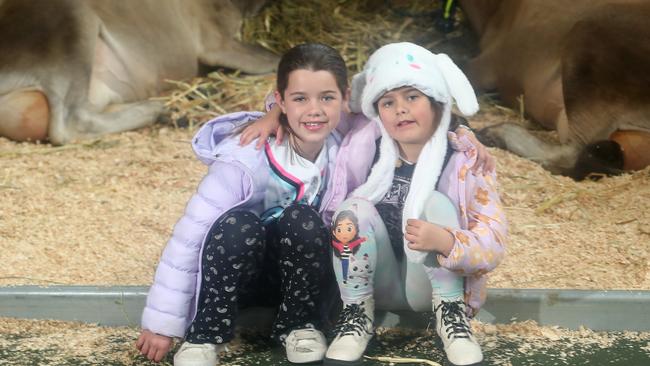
[
  {"x": 334, "y": 362},
  {"x": 306, "y": 358}
]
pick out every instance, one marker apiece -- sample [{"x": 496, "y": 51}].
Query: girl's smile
[{"x": 314, "y": 126}]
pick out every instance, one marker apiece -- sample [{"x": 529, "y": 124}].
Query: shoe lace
[
  {"x": 453, "y": 317},
  {"x": 352, "y": 320}
]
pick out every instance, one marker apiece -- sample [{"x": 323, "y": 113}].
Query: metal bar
[{"x": 113, "y": 306}]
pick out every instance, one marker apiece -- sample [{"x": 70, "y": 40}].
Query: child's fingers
[
  {"x": 245, "y": 137},
  {"x": 144, "y": 349},
  {"x": 415, "y": 246},
  {"x": 139, "y": 342},
  {"x": 152, "y": 353},
  {"x": 279, "y": 135},
  {"x": 411, "y": 230},
  {"x": 491, "y": 164},
  {"x": 480, "y": 159},
  {"x": 410, "y": 238},
  {"x": 261, "y": 141},
  {"x": 159, "y": 355}
]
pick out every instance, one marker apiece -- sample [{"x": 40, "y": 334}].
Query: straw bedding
[{"x": 100, "y": 212}]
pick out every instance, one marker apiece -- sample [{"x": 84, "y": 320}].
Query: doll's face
[{"x": 345, "y": 231}]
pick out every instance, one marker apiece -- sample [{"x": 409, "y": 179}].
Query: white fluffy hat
[{"x": 406, "y": 64}]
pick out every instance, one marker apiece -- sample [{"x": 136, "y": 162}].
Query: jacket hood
[{"x": 207, "y": 142}]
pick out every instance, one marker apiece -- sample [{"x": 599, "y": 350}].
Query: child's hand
[
  {"x": 485, "y": 162},
  {"x": 153, "y": 346},
  {"x": 263, "y": 128},
  {"x": 427, "y": 237}
]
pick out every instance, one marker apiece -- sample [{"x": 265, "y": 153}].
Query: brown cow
[
  {"x": 583, "y": 69},
  {"x": 78, "y": 69}
]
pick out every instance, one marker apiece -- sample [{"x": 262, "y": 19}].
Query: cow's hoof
[{"x": 599, "y": 159}]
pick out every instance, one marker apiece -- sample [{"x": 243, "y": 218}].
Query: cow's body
[
  {"x": 78, "y": 69},
  {"x": 582, "y": 68}
]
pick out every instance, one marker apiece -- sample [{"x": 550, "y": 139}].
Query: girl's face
[
  {"x": 345, "y": 231},
  {"x": 408, "y": 116},
  {"x": 312, "y": 103}
]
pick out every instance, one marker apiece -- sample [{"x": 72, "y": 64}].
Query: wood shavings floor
[
  {"x": 100, "y": 213},
  {"x": 30, "y": 342}
]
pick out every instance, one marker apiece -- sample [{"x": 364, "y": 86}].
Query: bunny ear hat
[{"x": 406, "y": 64}]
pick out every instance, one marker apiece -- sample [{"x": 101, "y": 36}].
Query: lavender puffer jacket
[{"x": 237, "y": 177}]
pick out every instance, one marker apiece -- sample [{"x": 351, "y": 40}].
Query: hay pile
[
  {"x": 99, "y": 213},
  {"x": 355, "y": 28}
]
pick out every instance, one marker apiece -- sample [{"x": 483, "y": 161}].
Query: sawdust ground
[
  {"x": 29, "y": 342},
  {"x": 99, "y": 213}
]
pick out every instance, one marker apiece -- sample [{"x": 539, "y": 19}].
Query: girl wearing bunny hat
[{"x": 433, "y": 227}]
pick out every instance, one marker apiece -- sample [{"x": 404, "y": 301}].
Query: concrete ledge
[{"x": 598, "y": 310}]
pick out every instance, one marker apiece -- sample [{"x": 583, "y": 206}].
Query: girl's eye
[
  {"x": 412, "y": 97},
  {"x": 387, "y": 103},
  {"x": 328, "y": 98},
  {"x": 299, "y": 99}
]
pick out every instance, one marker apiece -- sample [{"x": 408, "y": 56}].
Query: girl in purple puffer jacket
[{"x": 252, "y": 234}]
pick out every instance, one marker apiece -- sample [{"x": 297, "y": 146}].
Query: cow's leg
[
  {"x": 85, "y": 122},
  {"x": 559, "y": 159},
  {"x": 24, "y": 115},
  {"x": 237, "y": 55},
  {"x": 220, "y": 22}
]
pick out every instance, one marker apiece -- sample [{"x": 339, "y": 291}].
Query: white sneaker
[
  {"x": 205, "y": 354},
  {"x": 305, "y": 345},
  {"x": 454, "y": 330},
  {"x": 353, "y": 332}
]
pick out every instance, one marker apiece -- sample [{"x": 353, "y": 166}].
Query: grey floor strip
[{"x": 598, "y": 310}]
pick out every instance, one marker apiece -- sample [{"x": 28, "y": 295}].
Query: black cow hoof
[{"x": 599, "y": 159}]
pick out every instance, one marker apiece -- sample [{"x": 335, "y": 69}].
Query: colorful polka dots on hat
[{"x": 411, "y": 60}]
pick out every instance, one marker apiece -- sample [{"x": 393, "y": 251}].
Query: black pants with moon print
[{"x": 285, "y": 264}]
